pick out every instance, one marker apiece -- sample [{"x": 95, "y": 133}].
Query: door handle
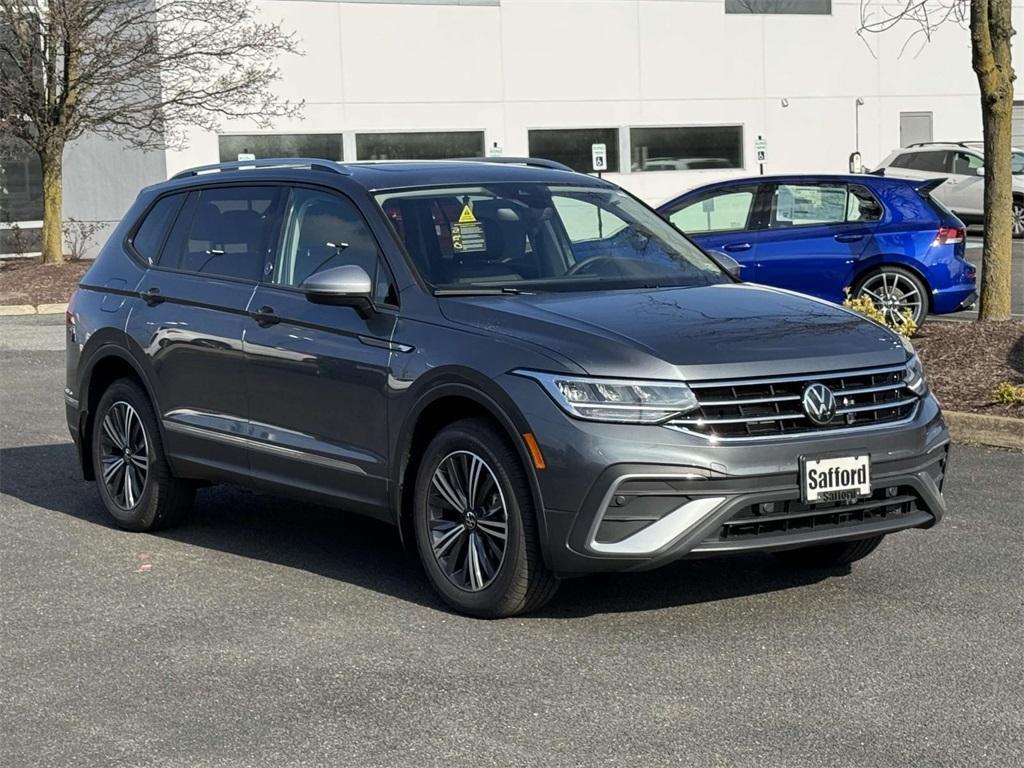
[
  {"x": 265, "y": 316},
  {"x": 737, "y": 247},
  {"x": 848, "y": 238},
  {"x": 152, "y": 296}
]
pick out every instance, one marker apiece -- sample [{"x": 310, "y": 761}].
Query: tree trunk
[
  {"x": 53, "y": 203},
  {"x": 997, "y": 120},
  {"x": 990, "y": 41}
]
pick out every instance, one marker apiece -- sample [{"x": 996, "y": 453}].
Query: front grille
[
  {"x": 772, "y": 407},
  {"x": 788, "y": 517}
]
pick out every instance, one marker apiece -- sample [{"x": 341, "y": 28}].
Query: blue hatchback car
[{"x": 880, "y": 237}]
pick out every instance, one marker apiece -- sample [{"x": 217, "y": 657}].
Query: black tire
[
  {"x": 164, "y": 500},
  {"x": 891, "y": 275},
  {"x": 1017, "y": 221},
  {"x": 830, "y": 555},
  {"x": 519, "y": 581}
]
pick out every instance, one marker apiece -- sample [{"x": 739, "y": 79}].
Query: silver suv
[{"x": 963, "y": 165}]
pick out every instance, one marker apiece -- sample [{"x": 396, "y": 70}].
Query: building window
[
  {"x": 573, "y": 146},
  {"x": 687, "y": 148},
  {"x": 795, "y": 7},
  {"x": 320, "y": 145},
  {"x": 419, "y": 146},
  {"x": 21, "y": 187}
]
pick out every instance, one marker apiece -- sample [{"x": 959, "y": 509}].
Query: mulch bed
[
  {"x": 966, "y": 361},
  {"x": 27, "y": 281}
]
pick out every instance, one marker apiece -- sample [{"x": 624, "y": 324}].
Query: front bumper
[
  {"x": 622, "y": 497},
  {"x": 722, "y": 515}
]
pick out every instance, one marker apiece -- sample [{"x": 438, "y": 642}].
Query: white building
[{"x": 678, "y": 90}]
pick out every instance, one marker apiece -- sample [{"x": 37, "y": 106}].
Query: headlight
[
  {"x": 619, "y": 400},
  {"x": 913, "y": 376}
]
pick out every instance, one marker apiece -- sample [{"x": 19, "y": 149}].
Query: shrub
[
  {"x": 1009, "y": 394},
  {"x": 78, "y": 237},
  {"x": 863, "y": 304}
]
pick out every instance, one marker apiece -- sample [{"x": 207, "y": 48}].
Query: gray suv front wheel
[{"x": 476, "y": 530}]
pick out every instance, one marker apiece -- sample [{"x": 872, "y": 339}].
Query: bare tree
[
  {"x": 991, "y": 31},
  {"x": 141, "y": 71}
]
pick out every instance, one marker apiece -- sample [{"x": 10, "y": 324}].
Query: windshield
[
  {"x": 1017, "y": 163},
  {"x": 542, "y": 237}
]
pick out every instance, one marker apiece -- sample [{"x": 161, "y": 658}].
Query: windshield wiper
[{"x": 477, "y": 292}]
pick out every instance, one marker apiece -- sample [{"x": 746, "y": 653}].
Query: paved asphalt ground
[
  {"x": 271, "y": 633},
  {"x": 974, "y": 243}
]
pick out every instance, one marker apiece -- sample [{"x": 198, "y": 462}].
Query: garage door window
[
  {"x": 419, "y": 146},
  {"x": 325, "y": 145},
  {"x": 689, "y": 148},
  {"x": 573, "y": 146}
]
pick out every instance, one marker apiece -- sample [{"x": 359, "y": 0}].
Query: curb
[
  {"x": 11, "y": 310},
  {"x": 979, "y": 429}
]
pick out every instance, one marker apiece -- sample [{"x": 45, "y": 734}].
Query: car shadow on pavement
[{"x": 355, "y": 549}]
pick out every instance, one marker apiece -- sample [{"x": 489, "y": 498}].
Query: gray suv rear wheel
[{"x": 134, "y": 479}]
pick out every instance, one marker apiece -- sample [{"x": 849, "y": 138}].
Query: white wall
[{"x": 505, "y": 68}]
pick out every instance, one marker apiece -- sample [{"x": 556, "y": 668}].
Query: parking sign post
[
  {"x": 599, "y": 158},
  {"x": 761, "y": 147}
]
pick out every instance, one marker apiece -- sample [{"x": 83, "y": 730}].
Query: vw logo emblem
[{"x": 819, "y": 403}]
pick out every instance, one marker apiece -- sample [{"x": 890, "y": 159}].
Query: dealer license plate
[{"x": 838, "y": 478}]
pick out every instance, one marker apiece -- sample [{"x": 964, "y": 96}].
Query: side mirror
[
  {"x": 980, "y": 171},
  {"x": 727, "y": 262},
  {"x": 346, "y": 286}
]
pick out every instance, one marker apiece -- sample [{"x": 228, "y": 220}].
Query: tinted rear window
[
  {"x": 227, "y": 231},
  {"x": 149, "y": 237},
  {"x": 934, "y": 162}
]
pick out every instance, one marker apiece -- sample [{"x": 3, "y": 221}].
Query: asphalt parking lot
[
  {"x": 271, "y": 633},
  {"x": 974, "y": 244}
]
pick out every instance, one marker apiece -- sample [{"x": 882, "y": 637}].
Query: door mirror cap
[
  {"x": 727, "y": 262},
  {"x": 345, "y": 286},
  {"x": 980, "y": 171}
]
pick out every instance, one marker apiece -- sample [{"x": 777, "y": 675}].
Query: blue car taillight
[{"x": 950, "y": 236}]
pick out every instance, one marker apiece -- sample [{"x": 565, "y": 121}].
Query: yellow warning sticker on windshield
[{"x": 467, "y": 216}]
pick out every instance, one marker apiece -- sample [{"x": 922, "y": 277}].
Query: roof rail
[
  {"x": 933, "y": 143},
  {"x": 538, "y": 162},
  {"x": 314, "y": 164}
]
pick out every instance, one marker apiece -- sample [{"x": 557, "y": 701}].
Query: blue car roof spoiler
[{"x": 926, "y": 186}]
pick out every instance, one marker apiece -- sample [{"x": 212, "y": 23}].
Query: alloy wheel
[
  {"x": 893, "y": 294},
  {"x": 124, "y": 455},
  {"x": 1018, "y": 219},
  {"x": 468, "y": 520}
]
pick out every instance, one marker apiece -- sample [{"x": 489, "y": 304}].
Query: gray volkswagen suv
[{"x": 524, "y": 369}]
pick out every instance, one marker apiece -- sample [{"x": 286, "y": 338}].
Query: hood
[{"x": 719, "y": 331}]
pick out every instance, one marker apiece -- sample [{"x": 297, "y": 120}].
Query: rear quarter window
[{"x": 151, "y": 232}]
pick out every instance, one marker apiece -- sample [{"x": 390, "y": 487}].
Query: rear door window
[
  {"x": 225, "y": 231},
  {"x": 795, "y": 205},
  {"x": 724, "y": 211}
]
